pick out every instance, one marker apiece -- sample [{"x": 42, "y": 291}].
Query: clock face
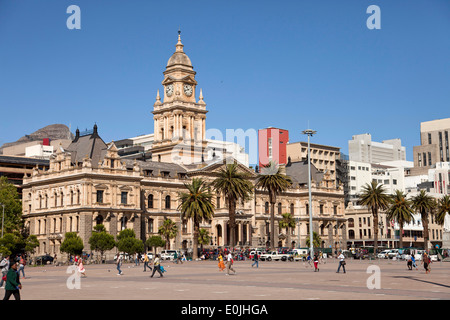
[
  {"x": 169, "y": 90},
  {"x": 188, "y": 90}
]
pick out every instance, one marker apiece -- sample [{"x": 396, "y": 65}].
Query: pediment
[{"x": 187, "y": 79}]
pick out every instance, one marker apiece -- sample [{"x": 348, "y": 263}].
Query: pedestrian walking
[
  {"x": 426, "y": 263},
  {"x": 230, "y": 263},
  {"x": 4, "y": 265},
  {"x": 308, "y": 259},
  {"x": 146, "y": 261},
  {"x": 81, "y": 268},
  {"x": 13, "y": 284},
  {"x": 409, "y": 264},
  {"x": 413, "y": 261},
  {"x": 156, "y": 266},
  {"x": 316, "y": 263},
  {"x": 221, "y": 264},
  {"x": 119, "y": 263},
  {"x": 256, "y": 260},
  {"x": 342, "y": 262},
  {"x": 22, "y": 264}
]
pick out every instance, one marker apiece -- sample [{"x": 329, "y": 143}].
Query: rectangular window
[
  {"x": 446, "y": 147},
  {"x": 321, "y": 208},
  {"x": 123, "y": 197},
  {"x": 429, "y": 158},
  {"x": 335, "y": 209},
  {"x": 424, "y": 159},
  {"x": 429, "y": 138},
  {"x": 419, "y": 159},
  {"x": 99, "y": 196},
  {"x": 394, "y": 181}
]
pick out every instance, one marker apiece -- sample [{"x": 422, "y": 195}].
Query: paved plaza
[{"x": 275, "y": 280}]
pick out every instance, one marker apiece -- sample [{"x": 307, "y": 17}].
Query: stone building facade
[{"x": 88, "y": 183}]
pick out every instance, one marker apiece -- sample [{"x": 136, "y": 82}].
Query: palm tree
[
  {"x": 316, "y": 240},
  {"x": 400, "y": 211},
  {"x": 376, "y": 198},
  {"x": 196, "y": 204},
  {"x": 168, "y": 230},
  {"x": 203, "y": 238},
  {"x": 424, "y": 204},
  {"x": 272, "y": 180},
  {"x": 443, "y": 208},
  {"x": 287, "y": 222},
  {"x": 235, "y": 186}
]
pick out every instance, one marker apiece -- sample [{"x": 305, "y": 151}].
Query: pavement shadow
[{"x": 420, "y": 280}]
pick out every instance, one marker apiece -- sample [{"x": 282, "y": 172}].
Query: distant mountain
[{"x": 53, "y": 132}]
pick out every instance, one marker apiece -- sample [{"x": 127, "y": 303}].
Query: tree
[
  {"x": 13, "y": 207},
  {"x": 155, "y": 242},
  {"x": 31, "y": 243},
  {"x": 9, "y": 244},
  {"x": 425, "y": 205},
  {"x": 235, "y": 186},
  {"x": 316, "y": 240},
  {"x": 196, "y": 204},
  {"x": 168, "y": 230},
  {"x": 101, "y": 241},
  {"x": 400, "y": 211},
  {"x": 72, "y": 244},
  {"x": 274, "y": 182},
  {"x": 376, "y": 198},
  {"x": 128, "y": 243},
  {"x": 203, "y": 238},
  {"x": 287, "y": 222},
  {"x": 443, "y": 208}
]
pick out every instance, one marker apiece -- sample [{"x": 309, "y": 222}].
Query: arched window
[
  {"x": 279, "y": 208},
  {"x": 99, "y": 220},
  {"x": 266, "y": 207},
  {"x": 62, "y": 199},
  {"x": 150, "y": 225},
  {"x": 351, "y": 234},
  {"x": 351, "y": 223},
  {"x": 71, "y": 197},
  {"x": 292, "y": 209},
  {"x": 56, "y": 199},
  {"x": 150, "y": 201},
  {"x": 167, "y": 202}
]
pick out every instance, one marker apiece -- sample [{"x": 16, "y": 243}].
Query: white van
[{"x": 168, "y": 254}]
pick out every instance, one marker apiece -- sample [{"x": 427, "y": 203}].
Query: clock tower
[{"x": 179, "y": 120}]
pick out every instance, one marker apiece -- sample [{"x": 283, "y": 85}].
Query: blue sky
[{"x": 259, "y": 63}]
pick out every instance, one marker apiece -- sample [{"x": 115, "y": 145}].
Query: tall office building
[
  {"x": 272, "y": 144},
  {"x": 362, "y": 149},
  {"x": 434, "y": 145}
]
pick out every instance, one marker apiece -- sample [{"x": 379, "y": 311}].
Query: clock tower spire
[{"x": 179, "y": 121}]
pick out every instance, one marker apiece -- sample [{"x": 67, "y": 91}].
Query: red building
[{"x": 272, "y": 146}]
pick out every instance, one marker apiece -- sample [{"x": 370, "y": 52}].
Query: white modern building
[
  {"x": 362, "y": 148},
  {"x": 39, "y": 151},
  {"x": 390, "y": 174}
]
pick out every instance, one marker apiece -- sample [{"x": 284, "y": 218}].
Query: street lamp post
[
  {"x": 309, "y": 133},
  {"x": 297, "y": 220},
  {"x": 381, "y": 226},
  {"x": 3, "y": 217}
]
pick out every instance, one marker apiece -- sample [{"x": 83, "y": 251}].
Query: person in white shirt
[
  {"x": 341, "y": 262},
  {"x": 230, "y": 263}
]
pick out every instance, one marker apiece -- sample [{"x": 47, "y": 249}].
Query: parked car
[
  {"x": 168, "y": 254},
  {"x": 383, "y": 254},
  {"x": 393, "y": 253},
  {"x": 269, "y": 256},
  {"x": 43, "y": 260}
]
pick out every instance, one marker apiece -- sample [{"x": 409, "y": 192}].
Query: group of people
[
  {"x": 10, "y": 281},
  {"x": 157, "y": 267},
  {"x": 426, "y": 261},
  {"x": 226, "y": 255}
]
